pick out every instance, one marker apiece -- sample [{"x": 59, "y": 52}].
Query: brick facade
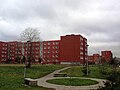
[
  {"x": 106, "y": 56},
  {"x": 70, "y": 49},
  {"x": 73, "y": 49},
  {"x": 3, "y": 52},
  {"x": 51, "y": 52}
]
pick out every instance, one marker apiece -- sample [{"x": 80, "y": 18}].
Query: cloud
[{"x": 97, "y": 20}]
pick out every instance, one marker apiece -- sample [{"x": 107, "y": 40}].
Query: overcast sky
[{"x": 97, "y": 20}]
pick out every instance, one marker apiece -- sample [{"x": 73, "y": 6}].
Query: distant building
[
  {"x": 3, "y": 52},
  {"x": 94, "y": 59},
  {"x": 91, "y": 59},
  {"x": 106, "y": 55}
]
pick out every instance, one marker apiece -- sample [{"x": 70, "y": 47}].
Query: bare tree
[{"x": 28, "y": 36}]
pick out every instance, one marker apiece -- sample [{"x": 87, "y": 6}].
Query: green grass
[
  {"x": 11, "y": 77},
  {"x": 76, "y": 71},
  {"x": 72, "y": 82}
]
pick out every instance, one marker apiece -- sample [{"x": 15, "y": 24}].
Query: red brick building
[
  {"x": 70, "y": 49},
  {"x": 51, "y": 52},
  {"x": 3, "y": 52},
  {"x": 32, "y": 51},
  {"x": 91, "y": 59},
  {"x": 14, "y": 52},
  {"x": 107, "y": 56},
  {"x": 94, "y": 59},
  {"x": 73, "y": 49}
]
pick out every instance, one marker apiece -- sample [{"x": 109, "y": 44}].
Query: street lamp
[
  {"x": 87, "y": 60},
  {"x": 29, "y": 54},
  {"x": 25, "y": 60}
]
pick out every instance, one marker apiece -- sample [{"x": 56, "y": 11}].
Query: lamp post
[
  {"x": 29, "y": 55},
  {"x": 26, "y": 60},
  {"x": 87, "y": 60},
  {"x": 25, "y": 71}
]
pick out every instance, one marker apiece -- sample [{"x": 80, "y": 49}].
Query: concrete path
[{"x": 42, "y": 82}]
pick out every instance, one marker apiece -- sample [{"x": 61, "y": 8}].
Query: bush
[
  {"x": 84, "y": 70},
  {"x": 105, "y": 69},
  {"x": 114, "y": 83}
]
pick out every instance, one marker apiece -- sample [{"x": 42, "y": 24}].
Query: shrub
[{"x": 84, "y": 70}]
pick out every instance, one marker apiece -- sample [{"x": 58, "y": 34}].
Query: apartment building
[
  {"x": 70, "y": 49},
  {"x": 31, "y": 50},
  {"x": 73, "y": 49},
  {"x": 94, "y": 59},
  {"x": 106, "y": 55},
  {"x": 3, "y": 52},
  {"x": 14, "y": 52},
  {"x": 51, "y": 51}
]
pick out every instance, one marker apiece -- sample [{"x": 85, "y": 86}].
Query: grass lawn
[
  {"x": 72, "y": 82},
  {"x": 76, "y": 71},
  {"x": 11, "y": 77}
]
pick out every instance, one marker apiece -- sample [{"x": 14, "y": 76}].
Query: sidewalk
[{"x": 42, "y": 82}]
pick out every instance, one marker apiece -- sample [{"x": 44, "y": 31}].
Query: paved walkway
[{"x": 42, "y": 82}]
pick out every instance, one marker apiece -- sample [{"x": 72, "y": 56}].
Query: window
[
  {"x": 44, "y": 52},
  {"x": 56, "y": 55},
  {"x": 53, "y": 56},
  {"x": 44, "y": 43},
  {"x": 48, "y": 47},
  {"x": 81, "y": 38},
  {"x": 2, "y": 55},
  {"x": 81, "y": 48},
  {"x": 57, "y": 43},
  {"x": 37, "y": 52},
  {"x": 53, "y": 47},
  {"x": 44, "y": 47},
  {"x": 48, "y": 43},
  {"x": 81, "y": 57},
  {"x": 37, "y": 44},
  {"x": 37, "y": 56},
  {"x": 56, "y": 51},
  {"x": 56, "y": 60},
  {"x": 37, "y": 48},
  {"x": 56, "y": 47},
  {"x": 53, "y": 43},
  {"x": 81, "y": 53}
]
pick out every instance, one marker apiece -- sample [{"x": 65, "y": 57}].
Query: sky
[{"x": 97, "y": 20}]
